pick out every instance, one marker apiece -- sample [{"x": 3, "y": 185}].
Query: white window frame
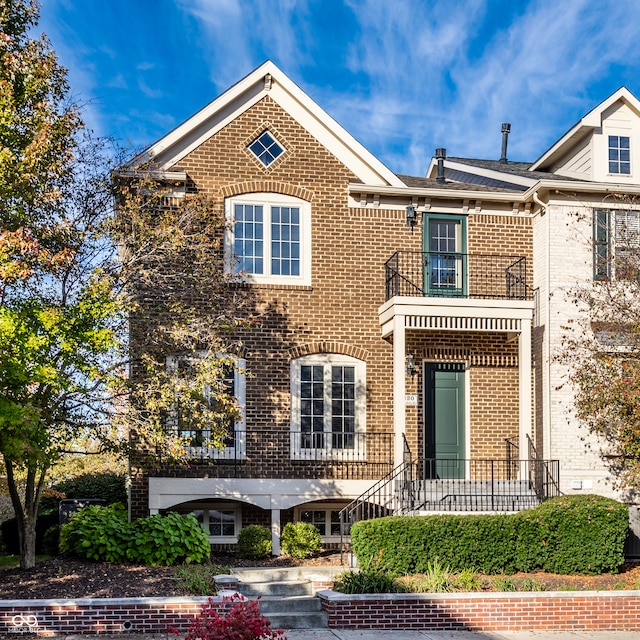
[
  {"x": 328, "y": 360},
  {"x": 239, "y": 452},
  {"x": 207, "y": 508},
  {"x": 619, "y": 150},
  {"x": 327, "y": 507},
  {"x": 268, "y": 200}
]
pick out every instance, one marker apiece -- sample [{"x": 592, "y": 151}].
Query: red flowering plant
[{"x": 235, "y": 618}]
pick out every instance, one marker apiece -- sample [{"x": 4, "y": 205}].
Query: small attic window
[
  {"x": 265, "y": 148},
  {"x": 619, "y": 155}
]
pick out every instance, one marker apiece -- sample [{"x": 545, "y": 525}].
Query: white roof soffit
[
  {"x": 522, "y": 181},
  {"x": 588, "y": 123},
  {"x": 170, "y": 149}
]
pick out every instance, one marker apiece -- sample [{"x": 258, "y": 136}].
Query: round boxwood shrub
[
  {"x": 300, "y": 539},
  {"x": 254, "y": 542}
]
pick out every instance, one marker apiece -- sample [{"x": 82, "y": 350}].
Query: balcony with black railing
[
  {"x": 457, "y": 275},
  {"x": 292, "y": 453}
]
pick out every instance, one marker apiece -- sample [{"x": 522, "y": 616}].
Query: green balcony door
[
  {"x": 445, "y": 266},
  {"x": 444, "y": 429}
]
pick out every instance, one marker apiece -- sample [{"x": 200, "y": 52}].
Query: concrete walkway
[
  {"x": 377, "y": 634},
  {"x": 368, "y": 634}
]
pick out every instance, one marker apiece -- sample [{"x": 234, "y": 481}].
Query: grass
[
  {"x": 198, "y": 579},
  {"x": 12, "y": 562}
]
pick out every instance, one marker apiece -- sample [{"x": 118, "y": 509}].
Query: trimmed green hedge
[{"x": 569, "y": 534}]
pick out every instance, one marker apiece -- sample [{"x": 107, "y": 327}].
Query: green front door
[{"x": 444, "y": 435}]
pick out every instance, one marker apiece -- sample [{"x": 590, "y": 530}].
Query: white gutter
[
  {"x": 546, "y": 422},
  {"x": 499, "y": 196},
  {"x": 430, "y": 192}
]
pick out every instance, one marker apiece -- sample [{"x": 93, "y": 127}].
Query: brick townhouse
[{"x": 409, "y": 322}]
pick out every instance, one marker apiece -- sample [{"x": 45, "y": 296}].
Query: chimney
[
  {"x": 506, "y": 127},
  {"x": 441, "y": 154}
]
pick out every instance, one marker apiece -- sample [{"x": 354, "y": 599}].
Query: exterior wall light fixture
[
  {"x": 411, "y": 365},
  {"x": 412, "y": 217}
]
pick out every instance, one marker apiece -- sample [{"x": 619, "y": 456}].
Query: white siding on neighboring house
[
  {"x": 618, "y": 120},
  {"x": 578, "y": 163}
]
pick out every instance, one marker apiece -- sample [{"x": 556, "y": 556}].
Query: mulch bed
[{"x": 64, "y": 577}]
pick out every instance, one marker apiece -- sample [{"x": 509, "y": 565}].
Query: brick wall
[
  {"x": 554, "y": 611},
  {"x": 339, "y": 311},
  {"x": 493, "y": 384}
]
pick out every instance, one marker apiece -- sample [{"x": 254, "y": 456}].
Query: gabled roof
[
  {"x": 267, "y": 79},
  {"x": 583, "y": 127}
]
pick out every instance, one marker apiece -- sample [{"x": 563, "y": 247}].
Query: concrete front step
[
  {"x": 288, "y": 574},
  {"x": 294, "y": 612},
  {"x": 290, "y": 589},
  {"x": 287, "y": 594},
  {"x": 298, "y": 620},
  {"x": 271, "y": 604}
]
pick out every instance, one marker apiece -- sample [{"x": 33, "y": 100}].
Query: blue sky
[{"x": 402, "y": 76}]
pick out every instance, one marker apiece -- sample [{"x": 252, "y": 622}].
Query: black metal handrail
[
  {"x": 382, "y": 499},
  {"x": 433, "y": 485},
  {"x": 457, "y": 275},
  {"x": 486, "y": 485}
]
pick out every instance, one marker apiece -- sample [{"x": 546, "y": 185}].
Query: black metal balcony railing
[
  {"x": 457, "y": 275},
  {"x": 370, "y": 448}
]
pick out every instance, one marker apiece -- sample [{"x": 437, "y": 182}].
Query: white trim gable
[
  {"x": 267, "y": 79},
  {"x": 587, "y": 126}
]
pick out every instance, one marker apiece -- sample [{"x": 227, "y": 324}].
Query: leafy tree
[
  {"x": 186, "y": 314},
  {"x": 59, "y": 314},
  {"x": 601, "y": 347},
  {"x": 69, "y": 269}
]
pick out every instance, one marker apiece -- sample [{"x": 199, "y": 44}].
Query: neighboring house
[{"x": 409, "y": 323}]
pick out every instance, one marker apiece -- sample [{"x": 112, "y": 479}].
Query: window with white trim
[
  {"x": 201, "y": 444},
  {"x": 616, "y": 244},
  {"x": 221, "y": 522},
  {"x": 325, "y": 517},
  {"x": 269, "y": 238},
  {"x": 620, "y": 155},
  {"x": 266, "y": 148},
  {"x": 328, "y": 407}
]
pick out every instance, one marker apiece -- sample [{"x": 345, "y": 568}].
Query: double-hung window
[
  {"x": 204, "y": 443},
  {"x": 616, "y": 244},
  {"x": 269, "y": 238},
  {"x": 327, "y": 407},
  {"x": 445, "y": 260}
]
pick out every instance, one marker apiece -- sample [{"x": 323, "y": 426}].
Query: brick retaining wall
[
  {"x": 98, "y": 616},
  {"x": 587, "y": 610}
]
